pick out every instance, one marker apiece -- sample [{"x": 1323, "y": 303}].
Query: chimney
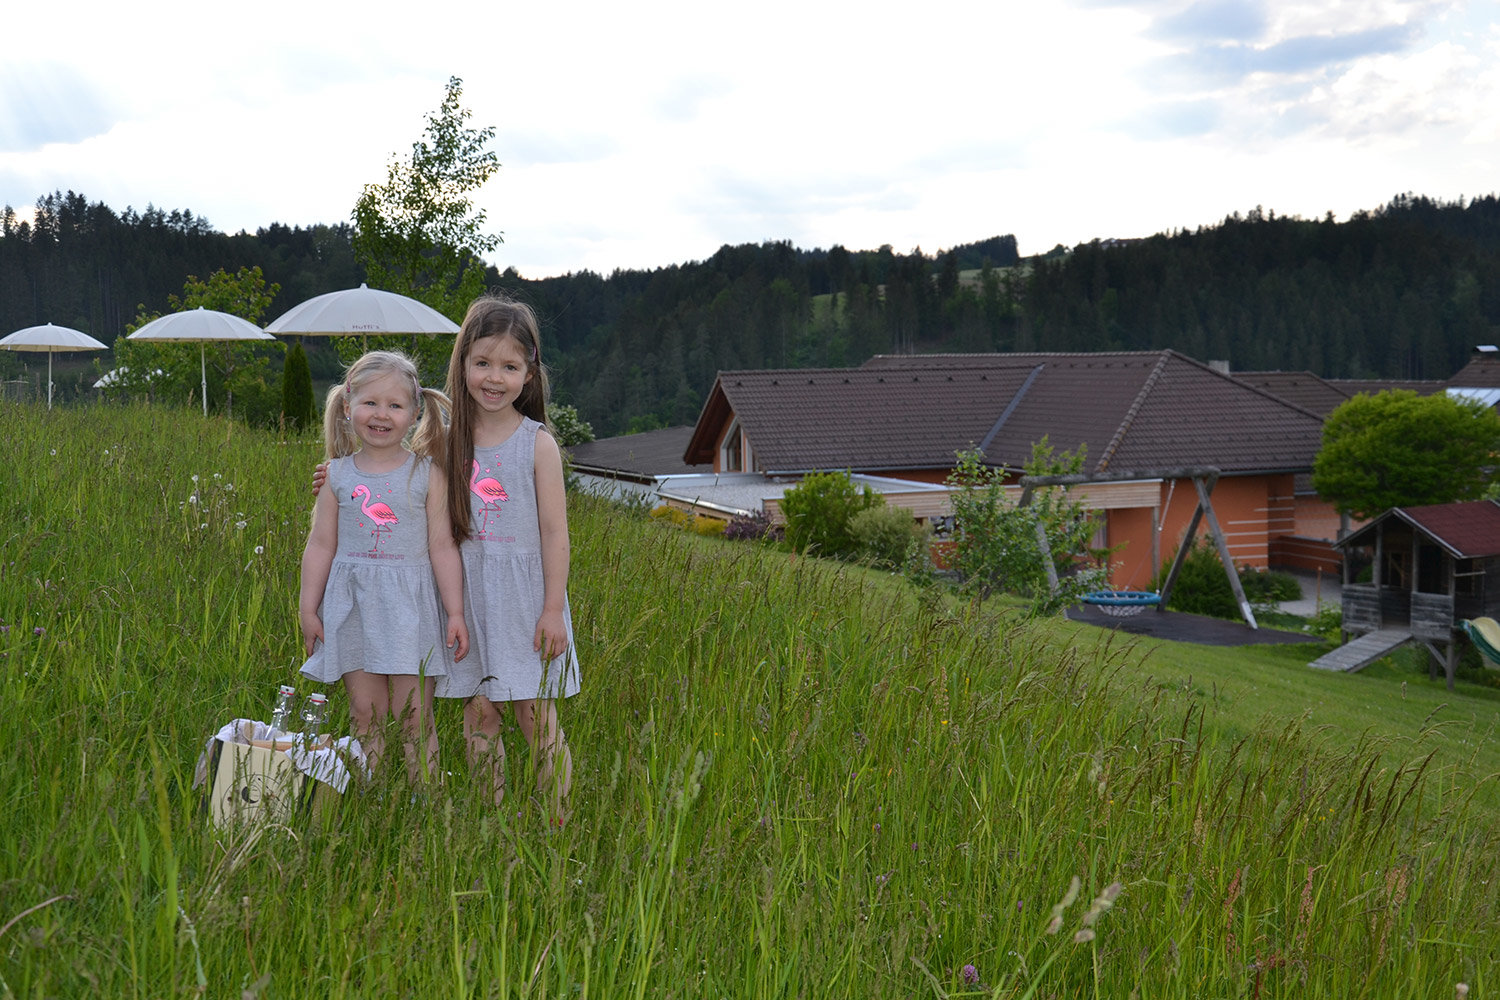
[{"x": 1222, "y": 367}]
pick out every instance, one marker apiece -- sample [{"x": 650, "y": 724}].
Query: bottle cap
[
  {"x": 317, "y": 698},
  {"x": 288, "y": 689}
]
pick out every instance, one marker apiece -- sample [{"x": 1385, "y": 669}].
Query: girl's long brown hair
[{"x": 490, "y": 316}]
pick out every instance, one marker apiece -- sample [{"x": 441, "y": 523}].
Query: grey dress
[
  {"x": 380, "y": 608},
  {"x": 503, "y": 586}
]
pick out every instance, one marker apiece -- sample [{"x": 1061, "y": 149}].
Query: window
[
  {"x": 1468, "y": 578},
  {"x": 732, "y": 451}
]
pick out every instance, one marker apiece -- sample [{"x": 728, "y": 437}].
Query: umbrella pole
[
  {"x": 203, "y": 375},
  {"x": 49, "y": 380}
]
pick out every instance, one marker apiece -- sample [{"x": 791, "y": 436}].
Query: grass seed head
[{"x": 1068, "y": 899}]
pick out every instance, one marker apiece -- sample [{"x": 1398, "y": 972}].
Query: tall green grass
[{"x": 793, "y": 778}]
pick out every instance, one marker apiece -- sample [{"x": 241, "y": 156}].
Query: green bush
[
  {"x": 818, "y": 511},
  {"x": 1269, "y": 586},
  {"x": 886, "y": 535},
  {"x": 1201, "y": 587}
]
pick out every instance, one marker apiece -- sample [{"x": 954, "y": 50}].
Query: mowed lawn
[{"x": 794, "y": 778}]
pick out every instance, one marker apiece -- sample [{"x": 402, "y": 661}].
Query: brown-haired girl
[{"x": 512, "y": 527}]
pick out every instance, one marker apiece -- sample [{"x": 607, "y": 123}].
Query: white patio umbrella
[
  {"x": 51, "y": 338},
  {"x": 199, "y": 326},
  {"x": 359, "y": 312}
]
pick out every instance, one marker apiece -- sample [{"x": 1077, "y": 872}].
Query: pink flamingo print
[
  {"x": 377, "y": 512},
  {"x": 490, "y": 492}
]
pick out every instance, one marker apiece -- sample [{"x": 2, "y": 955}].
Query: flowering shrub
[
  {"x": 710, "y": 527},
  {"x": 672, "y": 515},
  {"x": 752, "y": 528}
]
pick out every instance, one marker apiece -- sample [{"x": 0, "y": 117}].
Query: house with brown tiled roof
[{"x": 1146, "y": 420}]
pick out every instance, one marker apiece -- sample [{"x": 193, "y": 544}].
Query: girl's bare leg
[
  {"x": 549, "y": 746},
  {"x": 369, "y": 705},
  {"x": 482, "y": 743},
  {"x": 411, "y": 701}
]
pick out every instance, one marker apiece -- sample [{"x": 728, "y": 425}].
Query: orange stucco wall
[
  {"x": 1316, "y": 518},
  {"x": 1251, "y": 510}
]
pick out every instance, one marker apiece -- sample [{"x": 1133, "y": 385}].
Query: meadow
[{"x": 793, "y": 779}]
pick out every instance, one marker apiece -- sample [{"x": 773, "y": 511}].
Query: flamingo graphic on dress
[
  {"x": 490, "y": 494},
  {"x": 378, "y": 512}
]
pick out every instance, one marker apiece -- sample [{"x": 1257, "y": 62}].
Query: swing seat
[
  {"x": 1124, "y": 603},
  {"x": 1484, "y": 633}
]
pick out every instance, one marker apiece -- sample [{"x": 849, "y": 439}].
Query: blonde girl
[{"x": 380, "y": 543}]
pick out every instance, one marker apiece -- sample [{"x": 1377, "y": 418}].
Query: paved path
[{"x": 1325, "y": 590}]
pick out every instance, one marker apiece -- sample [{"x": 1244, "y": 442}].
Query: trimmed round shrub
[{"x": 885, "y": 535}]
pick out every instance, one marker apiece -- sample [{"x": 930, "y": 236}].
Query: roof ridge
[
  {"x": 1010, "y": 408},
  {"x": 1132, "y": 412}
]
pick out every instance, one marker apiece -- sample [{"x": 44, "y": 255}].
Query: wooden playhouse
[{"x": 1414, "y": 574}]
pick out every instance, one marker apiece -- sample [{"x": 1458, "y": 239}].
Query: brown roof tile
[
  {"x": 1482, "y": 372},
  {"x": 1132, "y": 410},
  {"x": 640, "y": 456},
  {"x": 1468, "y": 530},
  {"x": 1302, "y": 388},
  {"x": 1370, "y": 386}
]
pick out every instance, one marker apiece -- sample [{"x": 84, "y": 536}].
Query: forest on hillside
[{"x": 1402, "y": 291}]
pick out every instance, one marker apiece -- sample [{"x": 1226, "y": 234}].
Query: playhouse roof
[{"x": 1467, "y": 530}]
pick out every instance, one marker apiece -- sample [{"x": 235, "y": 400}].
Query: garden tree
[
  {"x": 567, "y": 426},
  {"x": 420, "y": 233},
  {"x": 818, "y": 512},
  {"x": 235, "y": 367},
  {"x": 995, "y": 541},
  {"x": 1397, "y": 449},
  {"x": 297, "y": 389}
]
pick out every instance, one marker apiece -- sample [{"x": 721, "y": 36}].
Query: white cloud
[{"x": 639, "y": 136}]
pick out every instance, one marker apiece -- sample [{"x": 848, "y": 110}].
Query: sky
[{"x": 650, "y": 134}]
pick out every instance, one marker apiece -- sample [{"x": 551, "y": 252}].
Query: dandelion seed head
[
  {"x": 240, "y": 525},
  {"x": 195, "y": 477},
  {"x": 259, "y": 549}
]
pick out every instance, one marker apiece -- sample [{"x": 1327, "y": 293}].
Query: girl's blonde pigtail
[
  {"x": 338, "y": 437},
  {"x": 430, "y": 437}
]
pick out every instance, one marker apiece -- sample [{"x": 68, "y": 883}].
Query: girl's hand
[
  {"x": 458, "y": 636},
  {"x": 312, "y": 629},
  {"x": 551, "y": 639},
  {"x": 320, "y": 476}
]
